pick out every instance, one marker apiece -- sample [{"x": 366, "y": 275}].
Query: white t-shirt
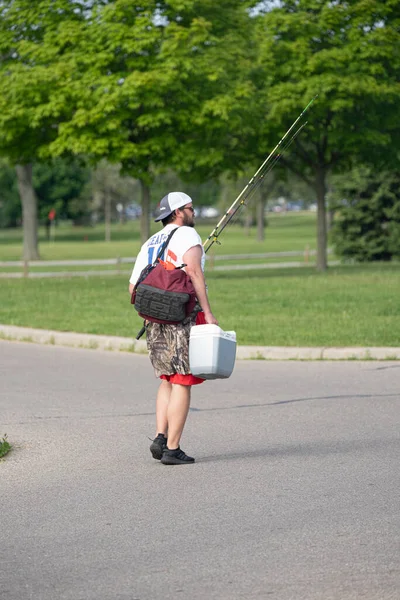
[{"x": 181, "y": 242}]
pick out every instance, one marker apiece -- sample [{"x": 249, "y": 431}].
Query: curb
[
  {"x": 71, "y": 339},
  {"x": 122, "y": 344}
]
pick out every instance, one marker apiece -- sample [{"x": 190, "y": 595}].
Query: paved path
[
  {"x": 102, "y": 272},
  {"x": 294, "y": 495}
]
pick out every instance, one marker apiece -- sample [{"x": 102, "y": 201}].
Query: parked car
[
  {"x": 207, "y": 212},
  {"x": 295, "y": 206},
  {"x": 133, "y": 211}
]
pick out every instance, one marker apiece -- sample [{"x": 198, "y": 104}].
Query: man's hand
[{"x": 210, "y": 319}]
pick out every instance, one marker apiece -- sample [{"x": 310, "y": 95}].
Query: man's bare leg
[
  {"x": 177, "y": 412},
  {"x": 162, "y": 402}
]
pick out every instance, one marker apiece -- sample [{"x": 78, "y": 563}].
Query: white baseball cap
[{"x": 171, "y": 202}]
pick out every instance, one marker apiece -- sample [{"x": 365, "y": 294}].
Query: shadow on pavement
[{"x": 303, "y": 450}]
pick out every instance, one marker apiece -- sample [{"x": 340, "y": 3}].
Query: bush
[{"x": 367, "y": 227}]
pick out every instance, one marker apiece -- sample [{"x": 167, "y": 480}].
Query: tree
[
  {"x": 347, "y": 53},
  {"x": 148, "y": 86},
  {"x": 145, "y": 85},
  {"x": 109, "y": 189},
  {"x": 29, "y": 116},
  {"x": 368, "y": 223}
]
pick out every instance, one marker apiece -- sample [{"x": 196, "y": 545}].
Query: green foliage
[
  {"x": 59, "y": 184},
  {"x": 347, "y": 54},
  {"x": 10, "y": 205},
  {"x": 5, "y": 446},
  {"x": 137, "y": 85},
  {"x": 367, "y": 227},
  {"x": 30, "y": 110},
  {"x": 145, "y": 84}
]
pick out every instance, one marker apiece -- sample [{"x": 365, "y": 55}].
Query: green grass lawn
[{"x": 346, "y": 306}]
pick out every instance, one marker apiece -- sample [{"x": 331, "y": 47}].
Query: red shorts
[
  {"x": 182, "y": 379},
  {"x": 187, "y": 379}
]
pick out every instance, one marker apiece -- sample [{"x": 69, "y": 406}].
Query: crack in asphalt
[{"x": 197, "y": 410}]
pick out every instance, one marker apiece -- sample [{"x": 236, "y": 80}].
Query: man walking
[{"x": 168, "y": 345}]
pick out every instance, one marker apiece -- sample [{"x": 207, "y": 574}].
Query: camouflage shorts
[{"x": 168, "y": 347}]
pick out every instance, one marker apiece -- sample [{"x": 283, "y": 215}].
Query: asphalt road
[{"x": 295, "y": 493}]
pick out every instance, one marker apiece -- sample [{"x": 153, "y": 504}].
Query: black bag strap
[{"x": 164, "y": 246}]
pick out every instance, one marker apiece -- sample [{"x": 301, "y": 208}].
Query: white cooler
[{"x": 212, "y": 352}]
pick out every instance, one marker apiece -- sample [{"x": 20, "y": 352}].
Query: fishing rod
[
  {"x": 252, "y": 185},
  {"x": 257, "y": 178}
]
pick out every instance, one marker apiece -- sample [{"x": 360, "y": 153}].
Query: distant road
[
  {"x": 130, "y": 260},
  {"x": 118, "y": 262}
]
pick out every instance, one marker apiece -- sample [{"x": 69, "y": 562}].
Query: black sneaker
[
  {"x": 176, "y": 457},
  {"x": 158, "y": 445}
]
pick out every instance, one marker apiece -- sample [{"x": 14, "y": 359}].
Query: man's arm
[
  {"x": 192, "y": 259},
  {"x": 140, "y": 263}
]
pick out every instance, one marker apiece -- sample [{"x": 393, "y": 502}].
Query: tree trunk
[
  {"x": 330, "y": 218},
  {"x": 261, "y": 216},
  {"x": 320, "y": 186},
  {"x": 29, "y": 211},
  {"x": 248, "y": 222},
  {"x": 144, "y": 217},
  {"x": 107, "y": 214},
  {"x": 266, "y": 190}
]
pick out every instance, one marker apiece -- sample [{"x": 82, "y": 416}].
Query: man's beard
[{"x": 188, "y": 221}]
